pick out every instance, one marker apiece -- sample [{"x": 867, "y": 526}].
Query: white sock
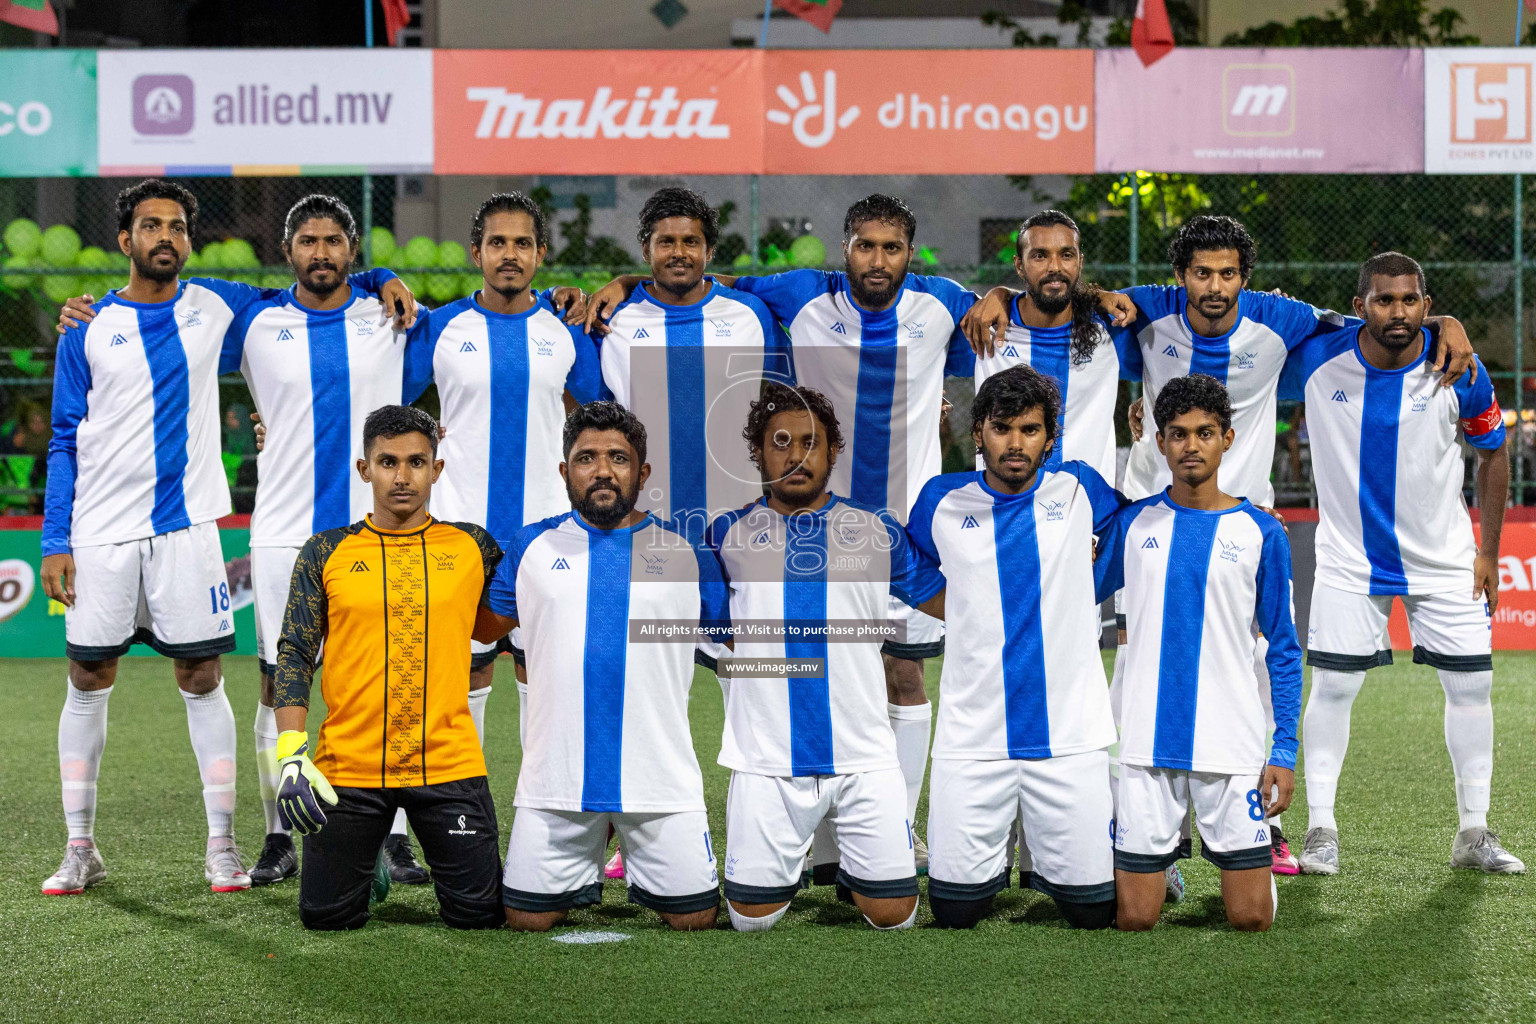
[
  {"x": 1274, "y": 900},
  {"x": 1116, "y": 692},
  {"x": 1325, "y": 726},
  {"x": 266, "y": 766},
  {"x": 477, "y": 711},
  {"x": 82, "y": 738},
  {"x": 1469, "y": 738},
  {"x": 1261, "y": 672},
  {"x": 522, "y": 715},
  {"x": 913, "y": 724},
  {"x": 895, "y": 927},
  {"x": 398, "y": 828},
  {"x": 743, "y": 923},
  {"x": 211, "y": 724}
]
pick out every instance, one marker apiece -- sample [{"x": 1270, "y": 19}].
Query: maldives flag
[
  {"x": 36, "y": 15},
  {"x": 1151, "y": 32},
  {"x": 396, "y": 17},
  {"x": 818, "y": 12}
]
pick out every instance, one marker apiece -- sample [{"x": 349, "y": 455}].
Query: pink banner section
[{"x": 1281, "y": 111}]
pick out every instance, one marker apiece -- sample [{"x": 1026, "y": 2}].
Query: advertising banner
[
  {"x": 928, "y": 111},
  {"x": 598, "y": 111},
  {"x": 32, "y": 626},
  {"x": 47, "y": 113},
  {"x": 213, "y": 112},
  {"x": 1281, "y": 111},
  {"x": 1514, "y": 621},
  {"x": 1477, "y": 111}
]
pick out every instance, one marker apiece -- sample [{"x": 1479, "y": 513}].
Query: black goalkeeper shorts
[{"x": 455, "y": 824}]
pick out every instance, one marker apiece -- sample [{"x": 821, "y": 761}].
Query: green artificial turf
[{"x": 1398, "y": 936}]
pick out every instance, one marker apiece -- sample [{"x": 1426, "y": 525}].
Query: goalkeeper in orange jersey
[{"x": 393, "y": 598}]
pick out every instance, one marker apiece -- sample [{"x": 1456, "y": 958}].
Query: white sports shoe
[
  {"x": 224, "y": 869},
  {"x": 1480, "y": 848},
  {"x": 1320, "y": 852},
  {"x": 82, "y": 867},
  {"x": 920, "y": 854}
]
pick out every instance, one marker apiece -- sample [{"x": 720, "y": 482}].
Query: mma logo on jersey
[
  {"x": 192, "y": 317},
  {"x": 285, "y": 335},
  {"x": 916, "y": 330},
  {"x": 444, "y": 560},
  {"x": 118, "y": 339},
  {"x": 359, "y": 566},
  {"x": 468, "y": 346},
  {"x": 838, "y": 328},
  {"x": 1055, "y": 511},
  {"x": 544, "y": 346},
  {"x": 722, "y": 328},
  {"x": 848, "y": 535},
  {"x": 1150, "y": 542},
  {"x": 642, "y": 333},
  {"x": 1169, "y": 350},
  {"x": 364, "y": 326},
  {"x": 969, "y": 523},
  {"x": 655, "y": 565},
  {"x": 1010, "y": 352},
  {"x": 561, "y": 563},
  {"x": 1229, "y": 551},
  {"x": 1340, "y": 396},
  {"x": 1420, "y": 402},
  {"x": 1245, "y": 360}
]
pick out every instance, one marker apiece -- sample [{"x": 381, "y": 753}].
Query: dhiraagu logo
[{"x": 812, "y": 115}]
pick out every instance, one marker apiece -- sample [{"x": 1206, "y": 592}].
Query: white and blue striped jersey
[
  {"x": 1023, "y": 677},
  {"x": 136, "y": 431},
  {"x": 315, "y": 375},
  {"x": 689, "y": 372},
  {"x": 1195, "y": 584},
  {"x": 1392, "y": 518},
  {"x": 1247, "y": 359},
  {"x": 608, "y": 702},
  {"x": 501, "y": 379},
  {"x": 1085, "y": 428},
  {"x": 837, "y": 564},
  {"x": 883, "y": 372}
]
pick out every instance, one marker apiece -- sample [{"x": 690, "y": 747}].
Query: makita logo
[{"x": 639, "y": 117}]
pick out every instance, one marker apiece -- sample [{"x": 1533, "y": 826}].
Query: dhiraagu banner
[
  {"x": 47, "y": 113},
  {"x": 32, "y": 626}
]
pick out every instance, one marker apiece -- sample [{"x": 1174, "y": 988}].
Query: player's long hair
[{"x": 1085, "y": 298}]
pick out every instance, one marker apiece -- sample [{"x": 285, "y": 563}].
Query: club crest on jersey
[
  {"x": 118, "y": 339},
  {"x": 1420, "y": 402},
  {"x": 655, "y": 565},
  {"x": 722, "y": 328},
  {"x": 1245, "y": 360},
  {"x": 838, "y": 328},
  {"x": 1169, "y": 350},
  {"x": 848, "y": 535},
  {"x": 468, "y": 346},
  {"x": 1055, "y": 511},
  {"x": 364, "y": 326},
  {"x": 1010, "y": 352},
  {"x": 192, "y": 317},
  {"x": 642, "y": 333},
  {"x": 969, "y": 523},
  {"x": 561, "y": 563},
  {"x": 916, "y": 330},
  {"x": 444, "y": 560},
  {"x": 1229, "y": 551},
  {"x": 285, "y": 335},
  {"x": 1340, "y": 396},
  {"x": 1150, "y": 542},
  {"x": 545, "y": 346}
]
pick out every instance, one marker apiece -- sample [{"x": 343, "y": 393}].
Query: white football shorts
[
  {"x": 271, "y": 579},
  {"x": 169, "y": 591},
  {"x": 1064, "y": 804},
  {"x": 1154, "y": 802},
  {"x": 770, "y": 821},
  {"x": 555, "y": 860},
  {"x": 1348, "y": 632}
]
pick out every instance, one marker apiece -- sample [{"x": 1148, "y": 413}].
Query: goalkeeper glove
[{"x": 300, "y": 786}]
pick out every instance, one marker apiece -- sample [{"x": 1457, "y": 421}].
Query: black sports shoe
[
  {"x": 401, "y": 860},
  {"x": 278, "y": 860}
]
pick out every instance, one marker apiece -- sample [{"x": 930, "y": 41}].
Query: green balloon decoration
[
  {"x": 23, "y": 238},
  {"x": 61, "y": 244},
  {"x": 807, "y": 251}
]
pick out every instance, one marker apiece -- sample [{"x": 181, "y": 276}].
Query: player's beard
[
  {"x": 604, "y": 517},
  {"x": 1396, "y": 344},
  {"x": 870, "y": 298},
  {"x": 144, "y": 264},
  {"x": 1047, "y": 304},
  {"x": 306, "y": 277}
]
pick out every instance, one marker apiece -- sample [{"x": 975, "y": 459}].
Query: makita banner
[{"x": 598, "y": 111}]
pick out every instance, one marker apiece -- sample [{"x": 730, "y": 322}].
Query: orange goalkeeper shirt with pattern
[{"x": 394, "y": 611}]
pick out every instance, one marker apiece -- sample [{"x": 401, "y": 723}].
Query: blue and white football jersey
[
  {"x": 315, "y": 375},
  {"x": 1086, "y": 426},
  {"x": 838, "y": 565},
  {"x": 689, "y": 373},
  {"x": 1195, "y": 584},
  {"x": 883, "y": 372},
  {"x": 1023, "y": 677},
  {"x": 1392, "y": 518},
  {"x": 1247, "y": 359},
  {"x": 608, "y": 702},
  {"x": 136, "y": 429},
  {"x": 501, "y": 379}
]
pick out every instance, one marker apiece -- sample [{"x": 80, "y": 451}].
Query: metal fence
[{"x": 1312, "y": 233}]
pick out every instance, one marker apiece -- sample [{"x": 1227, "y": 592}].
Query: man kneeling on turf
[
  {"x": 393, "y": 599},
  {"x": 608, "y": 738},
  {"x": 1200, "y": 568},
  {"x": 816, "y": 746}
]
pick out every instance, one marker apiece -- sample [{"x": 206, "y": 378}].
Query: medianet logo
[{"x": 638, "y": 117}]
